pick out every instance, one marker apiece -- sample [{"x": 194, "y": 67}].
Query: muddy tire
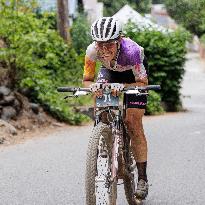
[
  {"x": 101, "y": 133},
  {"x": 128, "y": 190},
  {"x": 129, "y": 186}
]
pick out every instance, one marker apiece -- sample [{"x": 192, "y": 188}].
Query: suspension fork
[
  {"x": 116, "y": 128},
  {"x": 126, "y": 139}
]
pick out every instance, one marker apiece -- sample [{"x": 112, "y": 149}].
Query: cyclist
[{"x": 123, "y": 61}]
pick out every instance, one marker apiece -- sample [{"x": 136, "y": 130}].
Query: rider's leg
[{"x": 139, "y": 147}]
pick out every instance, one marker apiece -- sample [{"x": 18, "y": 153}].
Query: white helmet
[{"x": 105, "y": 29}]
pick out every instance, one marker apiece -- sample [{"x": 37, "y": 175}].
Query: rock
[
  {"x": 8, "y": 113},
  {"x": 4, "y": 91},
  {"x": 4, "y": 75},
  {"x": 18, "y": 126},
  {"x": 2, "y": 102},
  {"x": 0, "y": 113},
  {"x": 11, "y": 129},
  {"x": 7, "y": 100},
  {"x": 57, "y": 124},
  {"x": 34, "y": 107},
  {"x": 41, "y": 118},
  {"x": 2, "y": 139},
  {"x": 17, "y": 105},
  {"x": 26, "y": 91},
  {"x": 24, "y": 103}
]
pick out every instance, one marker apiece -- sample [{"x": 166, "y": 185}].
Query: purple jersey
[{"x": 130, "y": 57}]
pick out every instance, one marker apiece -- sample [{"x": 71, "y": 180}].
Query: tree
[
  {"x": 80, "y": 33},
  {"x": 111, "y": 7},
  {"x": 191, "y": 14},
  {"x": 158, "y": 1},
  {"x": 63, "y": 24},
  {"x": 142, "y": 6}
]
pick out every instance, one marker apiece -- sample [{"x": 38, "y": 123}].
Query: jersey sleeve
[
  {"x": 89, "y": 69},
  {"x": 139, "y": 69},
  {"x": 90, "y": 63}
]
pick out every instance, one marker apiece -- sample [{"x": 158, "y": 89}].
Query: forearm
[{"x": 86, "y": 84}]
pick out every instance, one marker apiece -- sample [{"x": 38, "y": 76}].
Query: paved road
[{"x": 50, "y": 171}]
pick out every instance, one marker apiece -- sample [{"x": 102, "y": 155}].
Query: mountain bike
[{"x": 109, "y": 154}]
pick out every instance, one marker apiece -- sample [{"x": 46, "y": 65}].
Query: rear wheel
[
  {"x": 99, "y": 189},
  {"x": 130, "y": 176},
  {"x": 130, "y": 185}
]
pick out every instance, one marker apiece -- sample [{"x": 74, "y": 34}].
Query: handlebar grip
[
  {"x": 70, "y": 89},
  {"x": 152, "y": 87},
  {"x": 66, "y": 89},
  {"x": 144, "y": 88}
]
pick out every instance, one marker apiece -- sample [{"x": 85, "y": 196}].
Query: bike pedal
[{"x": 138, "y": 201}]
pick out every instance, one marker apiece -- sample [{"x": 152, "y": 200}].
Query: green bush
[
  {"x": 48, "y": 18},
  {"x": 166, "y": 57},
  {"x": 80, "y": 34},
  {"x": 41, "y": 60},
  {"x": 154, "y": 104},
  {"x": 202, "y": 39}
]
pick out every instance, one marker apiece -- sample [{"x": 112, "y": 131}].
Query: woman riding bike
[{"x": 123, "y": 61}]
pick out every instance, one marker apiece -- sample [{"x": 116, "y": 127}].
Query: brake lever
[
  {"x": 136, "y": 91},
  {"x": 70, "y": 96}
]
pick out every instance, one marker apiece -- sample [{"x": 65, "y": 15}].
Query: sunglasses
[{"x": 108, "y": 45}]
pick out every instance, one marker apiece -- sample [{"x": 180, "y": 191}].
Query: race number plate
[{"x": 107, "y": 100}]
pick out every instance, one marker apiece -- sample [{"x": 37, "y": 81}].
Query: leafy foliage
[
  {"x": 193, "y": 17},
  {"x": 202, "y": 39},
  {"x": 49, "y": 18},
  {"x": 142, "y": 6},
  {"x": 40, "y": 58},
  {"x": 80, "y": 34},
  {"x": 158, "y": 1},
  {"x": 42, "y": 61},
  {"x": 154, "y": 104},
  {"x": 111, "y": 7},
  {"x": 166, "y": 58}
]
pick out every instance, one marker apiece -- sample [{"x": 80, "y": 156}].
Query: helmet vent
[
  {"x": 105, "y": 29},
  {"x": 108, "y": 27},
  {"x": 96, "y": 30},
  {"x": 102, "y": 25},
  {"x": 114, "y": 30}
]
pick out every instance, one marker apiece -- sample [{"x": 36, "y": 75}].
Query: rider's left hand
[{"x": 116, "y": 88}]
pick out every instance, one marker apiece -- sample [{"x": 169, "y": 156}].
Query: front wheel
[{"x": 99, "y": 189}]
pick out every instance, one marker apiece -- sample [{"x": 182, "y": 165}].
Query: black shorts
[{"x": 132, "y": 100}]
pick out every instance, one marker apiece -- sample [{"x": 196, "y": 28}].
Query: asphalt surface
[{"x": 50, "y": 171}]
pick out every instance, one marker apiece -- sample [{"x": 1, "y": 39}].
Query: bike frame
[
  {"x": 117, "y": 138},
  {"x": 109, "y": 105}
]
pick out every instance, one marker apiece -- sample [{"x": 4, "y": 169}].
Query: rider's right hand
[{"x": 95, "y": 88}]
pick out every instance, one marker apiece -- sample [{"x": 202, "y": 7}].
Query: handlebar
[
  {"x": 141, "y": 88},
  {"x": 70, "y": 89}
]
